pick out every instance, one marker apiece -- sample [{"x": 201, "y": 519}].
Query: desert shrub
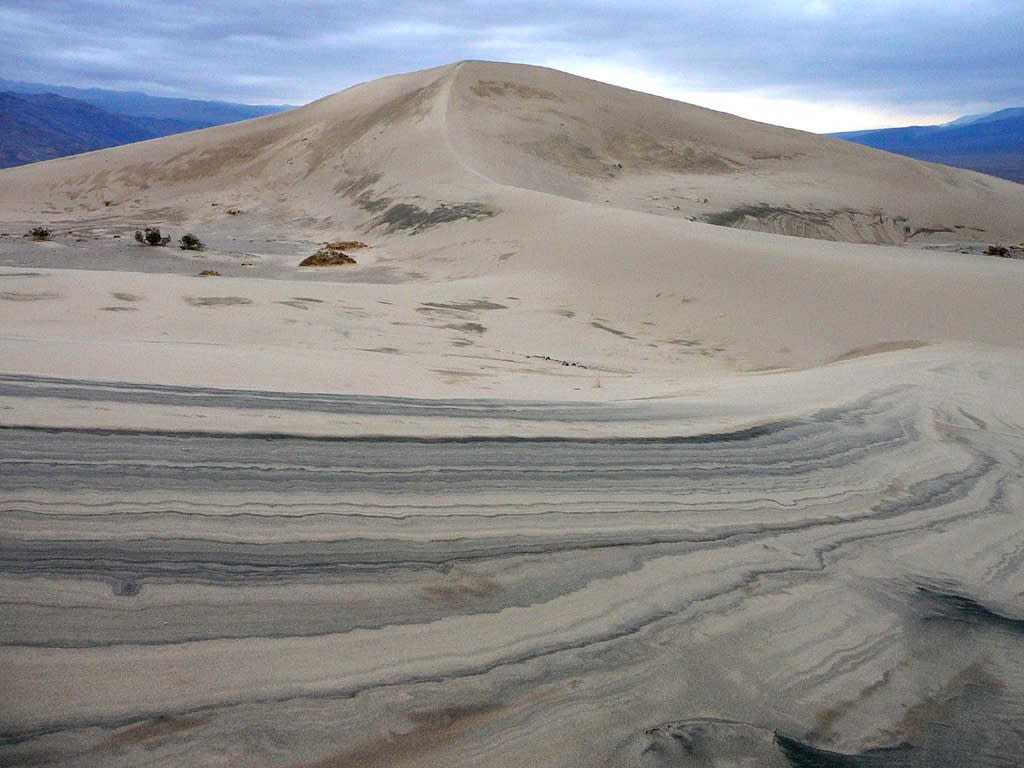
[
  {"x": 329, "y": 255},
  {"x": 151, "y": 236},
  {"x": 190, "y": 242},
  {"x": 39, "y": 233},
  {"x": 997, "y": 250}
]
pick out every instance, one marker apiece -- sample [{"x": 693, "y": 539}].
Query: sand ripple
[{"x": 815, "y": 590}]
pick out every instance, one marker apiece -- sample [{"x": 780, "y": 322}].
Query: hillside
[
  {"x": 991, "y": 143},
  {"x": 36, "y": 127},
  {"x": 40, "y": 122},
  {"x": 136, "y": 104}
]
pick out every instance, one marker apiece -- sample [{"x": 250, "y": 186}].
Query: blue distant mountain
[
  {"x": 41, "y": 122},
  {"x": 992, "y": 143}
]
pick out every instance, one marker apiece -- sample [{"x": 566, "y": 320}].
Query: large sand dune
[
  {"x": 561, "y": 472},
  {"x": 458, "y": 134}
]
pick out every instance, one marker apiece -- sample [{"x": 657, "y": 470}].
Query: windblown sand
[{"x": 559, "y": 472}]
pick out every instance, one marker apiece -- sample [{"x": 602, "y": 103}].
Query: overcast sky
[{"x": 819, "y": 65}]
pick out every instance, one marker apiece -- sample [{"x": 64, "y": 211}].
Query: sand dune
[
  {"x": 585, "y": 461},
  {"x": 459, "y": 134},
  {"x": 501, "y": 173}
]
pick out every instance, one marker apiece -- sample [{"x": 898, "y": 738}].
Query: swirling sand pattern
[{"x": 838, "y": 589}]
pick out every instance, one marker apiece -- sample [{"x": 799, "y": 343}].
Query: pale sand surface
[{"x": 557, "y": 474}]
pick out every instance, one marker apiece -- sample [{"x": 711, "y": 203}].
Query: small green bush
[
  {"x": 190, "y": 242},
  {"x": 40, "y": 233},
  {"x": 151, "y": 236}
]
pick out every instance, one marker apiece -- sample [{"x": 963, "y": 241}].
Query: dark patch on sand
[
  {"x": 954, "y": 605},
  {"x": 119, "y": 309},
  {"x": 764, "y": 212},
  {"x": 406, "y": 216},
  {"x": 615, "y": 331},
  {"x": 686, "y": 343},
  {"x": 121, "y": 296},
  {"x": 799, "y": 754},
  {"x": 928, "y": 231},
  {"x": 216, "y": 301},
  {"x": 844, "y": 224},
  {"x": 18, "y": 296},
  {"x": 486, "y": 88},
  {"x": 360, "y": 190},
  {"x": 465, "y": 306},
  {"x": 453, "y": 376},
  {"x": 884, "y": 346},
  {"x": 467, "y": 327},
  {"x": 300, "y": 302},
  {"x": 127, "y": 588}
]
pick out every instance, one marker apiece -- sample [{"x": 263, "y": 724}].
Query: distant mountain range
[
  {"x": 41, "y": 122},
  {"x": 992, "y": 143}
]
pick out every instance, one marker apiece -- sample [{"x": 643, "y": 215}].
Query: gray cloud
[{"x": 950, "y": 54}]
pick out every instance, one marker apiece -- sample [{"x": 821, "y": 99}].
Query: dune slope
[
  {"x": 562, "y": 192},
  {"x": 557, "y": 473},
  {"x": 441, "y": 135}
]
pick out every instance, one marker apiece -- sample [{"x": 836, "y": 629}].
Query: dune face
[
  {"x": 589, "y": 141},
  {"x": 581, "y": 463},
  {"x": 439, "y": 136}
]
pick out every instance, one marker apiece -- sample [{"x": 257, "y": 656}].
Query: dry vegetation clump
[
  {"x": 333, "y": 254},
  {"x": 151, "y": 236},
  {"x": 1005, "y": 251},
  {"x": 39, "y": 233},
  {"x": 346, "y": 245},
  {"x": 209, "y": 273},
  {"x": 189, "y": 242}
]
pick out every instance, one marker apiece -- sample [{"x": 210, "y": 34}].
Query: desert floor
[
  {"x": 575, "y": 481},
  {"x": 489, "y": 555}
]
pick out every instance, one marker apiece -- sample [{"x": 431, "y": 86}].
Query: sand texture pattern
[{"x": 636, "y": 435}]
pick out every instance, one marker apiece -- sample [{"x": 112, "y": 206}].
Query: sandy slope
[
  {"x": 541, "y": 130},
  {"x": 557, "y": 474},
  {"x": 477, "y": 182},
  {"x": 443, "y": 134}
]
